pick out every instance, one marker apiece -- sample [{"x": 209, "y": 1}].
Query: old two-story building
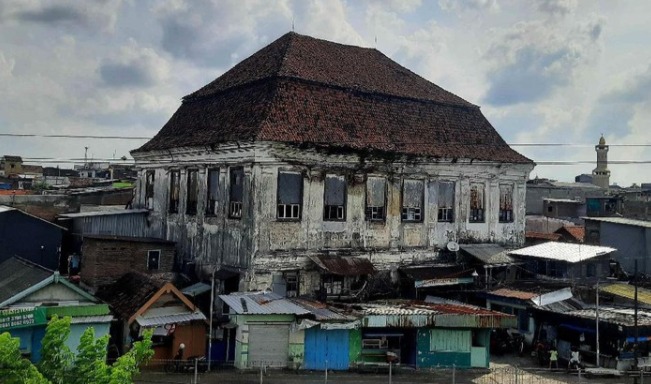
[{"x": 311, "y": 150}]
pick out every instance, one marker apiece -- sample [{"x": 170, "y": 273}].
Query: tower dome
[{"x": 602, "y": 141}]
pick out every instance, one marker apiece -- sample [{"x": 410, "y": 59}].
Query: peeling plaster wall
[{"x": 261, "y": 244}]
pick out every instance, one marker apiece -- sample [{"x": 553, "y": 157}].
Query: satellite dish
[{"x": 453, "y": 246}]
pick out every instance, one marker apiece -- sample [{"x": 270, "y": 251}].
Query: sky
[{"x": 545, "y": 71}]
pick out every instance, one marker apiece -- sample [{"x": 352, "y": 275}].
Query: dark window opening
[
  {"x": 335, "y": 199},
  {"x": 375, "y": 199},
  {"x": 445, "y": 201},
  {"x": 291, "y": 284},
  {"x": 174, "y": 191},
  {"x": 153, "y": 260},
  {"x": 236, "y": 193},
  {"x": 506, "y": 204},
  {"x": 149, "y": 189},
  {"x": 412, "y": 200},
  {"x": 290, "y": 196},
  {"x": 192, "y": 191},
  {"x": 476, "y": 203},
  {"x": 212, "y": 192},
  {"x": 333, "y": 285}
]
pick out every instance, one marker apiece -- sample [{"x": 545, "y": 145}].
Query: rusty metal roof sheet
[
  {"x": 261, "y": 303},
  {"x": 512, "y": 293},
  {"x": 321, "y": 311},
  {"x": 488, "y": 253},
  {"x": 344, "y": 266}
]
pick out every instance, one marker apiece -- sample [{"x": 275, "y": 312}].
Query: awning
[
  {"x": 578, "y": 328},
  {"x": 443, "y": 282},
  {"x": 344, "y": 266},
  {"x": 491, "y": 254},
  {"x": 169, "y": 319},
  {"x": 196, "y": 289}
]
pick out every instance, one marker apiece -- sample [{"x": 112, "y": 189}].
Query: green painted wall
[
  {"x": 427, "y": 358},
  {"x": 355, "y": 345}
]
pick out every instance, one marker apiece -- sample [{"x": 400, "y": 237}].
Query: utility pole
[
  {"x": 635, "y": 346},
  {"x": 597, "y": 325},
  {"x": 212, "y": 304}
]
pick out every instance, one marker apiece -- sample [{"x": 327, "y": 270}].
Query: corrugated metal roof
[
  {"x": 103, "y": 213},
  {"x": 170, "y": 319},
  {"x": 628, "y": 291},
  {"x": 569, "y": 305},
  {"x": 619, "y": 316},
  {"x": 344, "y": 266},
  {"x": 569, "y": 252},
  {"x": 552, "y": 297},
  {"x": 321, "y": 311},
  {"x": 621, "y": 220},
  {"x": 512, "y": 293},
  {"x": 488, "y": 253},
  {"x": 196, "y": 289},
  {"x": 91, "y": 319},
  {"x": 570, "y": 201},
  {"x": 261, "y": 303}
]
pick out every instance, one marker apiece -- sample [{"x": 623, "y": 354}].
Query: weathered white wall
[{"x": 262, "y": 244}]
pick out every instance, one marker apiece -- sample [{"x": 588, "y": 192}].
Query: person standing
[{"x": 553, "y": 357}]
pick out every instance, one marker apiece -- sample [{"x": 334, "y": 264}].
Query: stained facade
[{"x": 296, "y": 153}]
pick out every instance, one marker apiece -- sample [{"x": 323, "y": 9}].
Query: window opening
[
  {"x": 236, "y": 193},
  {"x": 153, "y": 260},
  {"x": 149, "y": 189},
  {"x": 375, "y": 199},
  {"x": 290, "y": 196},
  {"x": 476, "y": 203},
  {"x": 212, "y": 191},
  {"x": 506, "y": 204},
  {"x": 412, "y": 200},
  {"x": 191, "y": 193},
  {"x": 445, "y": 201},
  {"x": 174, "y": 191},
  {"x": 334, "y": 198}
]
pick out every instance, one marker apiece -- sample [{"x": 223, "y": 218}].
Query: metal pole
[
  {"x": 196, "y": 371},
  {"x": 454, "y": 372},
  {"x": 212, "y": 304},
  {"x": 597, "y": 325},
  {"x": 390, "y": 364},
  {"x": 261, "y": 380},
  {"x": 326, "y": 371},
  {"x": 635, "y": 346}
]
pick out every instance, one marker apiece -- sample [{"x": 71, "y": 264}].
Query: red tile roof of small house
[
  {"x": 577, "y": 232},
  {"x": 300, "y": 90}
]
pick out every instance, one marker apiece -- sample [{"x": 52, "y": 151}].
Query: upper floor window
[
  {"x": 412, "y": 200},
  {"x": 236, "y": 193},
  {"x": 192, "y": 191},
  {"x": 476, "y": 203},
  {"x": 212, "y": 191},
  {"x": 376, "y": 198},
  {"x": 445, "y": 201},
  {"x": 153, "y": 260},
  {"x": 175, "y": 177},
  {"x": 506, "y": 204},
  {"x": 290, "y": 196},
  {"x": 334, "y": 198},
  {"x": 149, "y": 189}
]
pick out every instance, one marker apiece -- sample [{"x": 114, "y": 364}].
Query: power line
[{"x": 31, "y": 135}]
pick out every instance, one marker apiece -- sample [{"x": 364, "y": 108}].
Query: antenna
[{"x": 292, "y": 23}]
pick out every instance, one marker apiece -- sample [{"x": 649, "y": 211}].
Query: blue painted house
[
  {"x": 29, "y": 237},
  {"x": 31, "y": 294}
]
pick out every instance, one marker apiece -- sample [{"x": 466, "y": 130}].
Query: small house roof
[
  {"x": 569, "y": 252},
  {"x": 262, "y": 303},
  {"x": 627, "y": 291},
  {"x": 621, "y": 220},
  {"x": 492, "y": 254},
  {"x": 344, "y": 266}
]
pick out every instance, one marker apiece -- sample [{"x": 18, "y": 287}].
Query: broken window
[
  {"x": 212, "y": 191},
  {"x": 191, "y": 193},
  {"x": 149, "y": 189},
  {"x": 290, "y": 196},
  {"x": 153, "y": 260},
  {"x": 506, "y": 204},
  {"x": 476, "y": 203},
  {"x": 375, "y": 198},
  {"x": 445, "y": 201},
  {"x": 335, "y": 198},
  {"x": 291, "y": 283},
  {"x": 333, "y": 285},
  {"x": 412, "y": 200},
  {"x": 236, "y": 193},
  {"x": 174, "y": 191}
]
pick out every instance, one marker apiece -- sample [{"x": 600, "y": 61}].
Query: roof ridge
[{"x": 32, "y": 264}]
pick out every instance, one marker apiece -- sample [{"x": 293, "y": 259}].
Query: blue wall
[
  {"x": 632, "y": 242},
  {"x": 23, "y": 235}
]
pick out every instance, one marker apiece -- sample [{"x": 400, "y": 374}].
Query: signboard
[
  {"x": 21, "y": 318},
  {"x": 442, "y": 282}
]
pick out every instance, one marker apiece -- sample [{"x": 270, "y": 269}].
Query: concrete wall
[
  {"x": 536, "y": 194},
  {"x": 260, "y": 244},
  {"x": 632, "y": 242}
]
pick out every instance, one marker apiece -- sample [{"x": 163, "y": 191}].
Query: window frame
[
  {"x": 445, "y": 213},
  {"x": 192, "y": 197},
  {"x": 505, "y": 214},
  {"x": 175, "y": 186},
  {"x": 376, "y": 213},
  {"x": 296, "y": 284},
  {"x": 235, "y": 206},
  {"x": 412, "y": 214},
  {"x": 211, "y": 204},
  {"x": 290, "y": 211},
  {"x": 160, "y": 253},
  {"x": 150, "y": 178},
  {"x": 335, "y": 212},
  {"x": 477, "y": 215}
]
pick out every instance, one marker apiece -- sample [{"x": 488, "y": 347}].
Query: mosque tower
[{"x": 601, "y": 174}]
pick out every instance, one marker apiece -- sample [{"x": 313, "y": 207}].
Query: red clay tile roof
[
  {"x": 542, "y": 235},
  {"x": 300, "y": 90},
  {"x": 577, "y": 232},
  {"x": 505, "y": 292}
]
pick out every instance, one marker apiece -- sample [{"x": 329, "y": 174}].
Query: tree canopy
[{"x": 59, "y": 365}]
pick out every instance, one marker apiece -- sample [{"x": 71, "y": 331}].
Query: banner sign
[
  {"x": 21, "y": 317},
  {"x": 443, "y": 282}
]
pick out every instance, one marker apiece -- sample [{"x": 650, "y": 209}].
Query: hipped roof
[{"x": 302, "y": 90}]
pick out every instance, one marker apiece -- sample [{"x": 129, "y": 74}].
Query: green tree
[{"x": 58, "y": 365}]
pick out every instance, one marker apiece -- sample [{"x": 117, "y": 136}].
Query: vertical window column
[
  {"x": 192, "y": 192},
  {"x": 445, "y": 201},
  {"x": 236, "y": 193},
  {"x": 376, "y": 198},
  {"x": 290, "y": 196},
  {"x": 506, "y": 204},
  {"x": 476, "y": 214},
  {"x": 412, "y": 200},
  {"x": 175, "y": 177},
  {"x": 334, "y": 198},
  {"x": 149, "y": 189},
  {"x": 212, "y": 194}
]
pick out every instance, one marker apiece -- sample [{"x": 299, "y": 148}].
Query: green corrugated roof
[{"x": 79, "y": 310}]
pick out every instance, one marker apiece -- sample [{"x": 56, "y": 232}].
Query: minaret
[{"x": 601, "y": 174}]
